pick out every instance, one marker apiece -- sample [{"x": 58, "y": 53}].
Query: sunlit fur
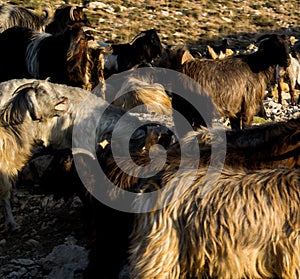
[
  {"x": 290, "y": 75},
  {"x": 95, "y": 67},
  {"x": 246, "y": 225},
  {"x": 237, "y": 83},
  {"x": 141, "y": 96},
  {"x": 14, "y": 15},
  {"x": 62, "y": 57},
  {"x": 17, "y": 133},
  {"x": 261, "y": 146}
]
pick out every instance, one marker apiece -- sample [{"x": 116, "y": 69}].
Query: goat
[
  {"x": 291, "y": 75},
  {"x": 271, "y": 145},
  {"x": 242, "y": 79},
  {"x": 84, "y": 107},
  {"x": 14, "y": 15},
  {"x": 62, "y": 57},
  {"x": 18, "y": 133},
  {"x": 242, "y": 225},
  {"x": 139, "y": 94},
  {"x": 142, "y": 49},
  {"x": 219, "y": 51},
  {"x": 67, "y": 16},
  {"x": 53, "y": 22}
]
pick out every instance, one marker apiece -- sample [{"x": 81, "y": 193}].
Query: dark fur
[
  {"x": 66, "y": 16},
  {"x": 30, "y": 54},
  {"x": 142, "y": 49},
  {"x": 237, "y": 84}
]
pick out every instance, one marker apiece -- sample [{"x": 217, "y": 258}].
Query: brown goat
[
  {"x": 139, "y": 95},
  {"x": 273, "y": 145},
  {"x": 261, "y": 146},
  {"x": 242, "y": 225},
  {"x": 237, "y": 83}
]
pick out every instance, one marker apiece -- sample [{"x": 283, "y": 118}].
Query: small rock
[
  {"x": 32, "y": 242},
  {"x": 25, "y": 262},
  {"x": 3, "y": 241}
]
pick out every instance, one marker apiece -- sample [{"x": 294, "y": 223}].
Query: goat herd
[{"x": 238, "y": 221}]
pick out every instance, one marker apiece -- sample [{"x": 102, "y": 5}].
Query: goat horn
[
  {"x": 72, "y": 13},
  {"x": 79, "y": 150},
  {"x": 86, "y": 29},
  {"x": 25, "y": 86}
]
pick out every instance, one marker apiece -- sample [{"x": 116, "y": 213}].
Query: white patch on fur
[{"x": 32, "y": 61}]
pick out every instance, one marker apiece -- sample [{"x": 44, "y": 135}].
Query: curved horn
[
  {"x": 72, "y": 13},
  {"x": 25, "y": 86},
  {"x": 86, "y": 29},
  {"x": 49, "y": 13}
]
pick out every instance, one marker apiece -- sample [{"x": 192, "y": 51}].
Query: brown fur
[
  {"x": 237, "y": 84},
  {"x": 139, "y": 92},
  {"x": 246, "y": 225}
]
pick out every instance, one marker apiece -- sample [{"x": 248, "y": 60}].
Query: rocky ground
[{"x": 52, "y": 240}]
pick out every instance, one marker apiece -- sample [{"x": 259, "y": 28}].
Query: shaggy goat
[
  {"x": 237, "y": 84},
  {"x": 66, "y": 16},
  {"x": 13, "y": 15},
  {"x": 18, "y": 133},
  {"x": 261, "y": 146},
  {"x": 53, "y": 22},
  {"x": 291, "y": 75},
  {"x": 139, "y": 95},
  {"x": 142, "y": 49},
  {"x": 62, "y": 57},
  {"x": 93, "y": 112},
  {"x": 243, "y": 225}
]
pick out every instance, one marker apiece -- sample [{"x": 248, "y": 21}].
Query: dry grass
[{"x": 195, "y": 22}]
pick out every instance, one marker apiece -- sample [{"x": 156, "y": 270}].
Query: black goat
[
  {"x": 30, "y": 54},
  {"x": 142, "y": 49},
  {"x": 66, "y": 16}
]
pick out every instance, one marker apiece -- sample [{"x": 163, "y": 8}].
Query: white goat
[{"x": 17, "y": 133}]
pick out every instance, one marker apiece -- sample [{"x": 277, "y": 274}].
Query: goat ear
[
  {"x": 32, "y": 105},
  {"x": 186, "y": 57},
  {"x": 62, "y": 106}
]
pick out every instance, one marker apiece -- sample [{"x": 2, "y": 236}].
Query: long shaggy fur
[
  {"x": 61, "y": 57},
  {"x": 18, "y": 132},
  {"x": 64, "y": 57},
  {"x": 262, "y": 146},
  {"x": 246, "y": 225},
  {"x": 150, "y": 97},
  {"x": 14, "y": 15},
  {"x": 237, "y": 84}
]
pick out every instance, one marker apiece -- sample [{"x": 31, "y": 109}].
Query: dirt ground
[{"x": 44, "y": 224}]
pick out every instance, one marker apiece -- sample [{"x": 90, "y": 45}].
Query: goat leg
[{"x": 10, "y": 220}]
